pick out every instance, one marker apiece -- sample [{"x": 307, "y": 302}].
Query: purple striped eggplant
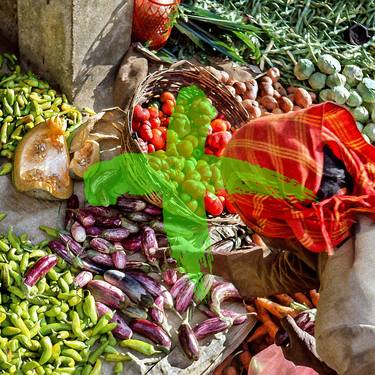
[
  {"x": 129, "y": 225},
  {"x": 203, "y": 288},
  {"x": 188, "y": 341},
  {"x": 151, "y": 331},
  {"x": 99, "y": 211},
  {"x": 157, "y": 226},
  {"x": 122, "y": 330},
  {"x": 162, "y": 240},
  {"x": 82, "y": 279},
  {"x": 130, "y": 286},
  {"x": 100, "y": 258},
  {"x": 115, "y": 234},
  {"x": 139, "y": 217},
  {"x": 179, "y": 285},
  {"x": 108, "y": 222},
  {"x": 119, "y": 259},
  {"x": 93, "y": 231},
  {"x": 86, "y": 219},
  {"x": 211, "y": 326},
  {"x": 130, "y": 204},
  {"x": 170, "y": 276},
  {"x": 157, "y": 314},
  {"x": 102, "y": 245},
  {"x": 39, "y": 269},
  {"x": 87, "y": 265},
  {"x": 60, "y": 249},
  {"x": 78, "y": 232},
  {"x": 135, "y": 312},
  {"x": 134, "y": 265},
  {"x": 149, "y": 244},
  {"x": 108, "y": 294},
  {"x": 133, "y": 243},
  {"x": 72, "y": 245},
  {"x": 221, "y": 293},
  {"x": 185, "y": 297},
  {"x": 153, "y": 210},
  {"x": 238, "y": 318}
]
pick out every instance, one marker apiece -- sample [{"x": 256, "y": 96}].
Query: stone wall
[{"x": 8, "y": 23}]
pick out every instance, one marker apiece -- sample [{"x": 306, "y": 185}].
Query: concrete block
[
  {"x": 76, "y": 44},
  {"x": 8, "y": 23}
]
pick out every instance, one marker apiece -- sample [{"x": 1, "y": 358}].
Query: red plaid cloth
[{"x": 292, "y": 145}]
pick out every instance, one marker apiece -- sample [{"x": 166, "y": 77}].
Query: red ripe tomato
[
  {"x": 208, "y": 151},
  {"x": 218, "y": 125},
  {"x": 154, "y": 112},
  {"x": 140, "y": 114},
  {"x": 219, "y": 153},
  {"x": 155, "y": 122},
  {"x": 219, "y": 140},
  {"x": 213, "y": 204},
  {"x": 150, "y": 148},
  {"x": 158, "y": 139},
  {"x": 145, "y": 132},
  {"x": 163, "y": 132},
  {"x": 168, "y": 107},
  {"x": 135, "y": 126},
  {"x": 167, "y": 96}
]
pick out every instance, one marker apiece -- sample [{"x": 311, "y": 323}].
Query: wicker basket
[{"x": 173, "y": 79}]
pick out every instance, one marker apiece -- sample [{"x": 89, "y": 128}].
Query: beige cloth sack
[{"x": 345, "y": 326}]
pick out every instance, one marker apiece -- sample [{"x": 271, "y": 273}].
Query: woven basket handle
[{"x": 182, "y": 63}]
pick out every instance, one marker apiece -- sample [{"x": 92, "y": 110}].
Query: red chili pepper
[
  {"x": 145, "y": 132},
  {"x": 213, "y": 204}
]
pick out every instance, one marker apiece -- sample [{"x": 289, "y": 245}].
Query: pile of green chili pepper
[
  {"x": 52, "y": 327},
  {"x": 26, "y": 101}
]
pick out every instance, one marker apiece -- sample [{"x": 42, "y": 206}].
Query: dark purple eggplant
[
  {"x": 78, "y": 232},
  {"x": 108, "y": 222},
  {"x": 102, "y": 245},
  {"x": 60, "y": 249},
  {"x": 93, "y": 231},
  {"x": 133, "y": 243},
  {"x": 108, "y": 294},
  {"x": 71, "y": 205},
  {"x": 122, "y": 330},
  {"x": 162, "y": 240},
  {"x": 91, "y": 267},
  {"x": 211, "y": 326},
  {"x": 119, "y": 259},
  {"x": 100, "y": 258},
  {"x": 39, "y": 269},
  {"x": 135, "y": 312},
  {"x": 129, "y": 225},
  {"x": 130, "y": 204},
  {"x": 151, "y": 331},
  {"x": 73, "y": 245},
  {"x": 188, "y": 341},
  {"x": 115, "y": 234},
  {"x": 153, "y": 210},
  {"x": 130, "y": 286},
  {"x": 86, "y": 219}
]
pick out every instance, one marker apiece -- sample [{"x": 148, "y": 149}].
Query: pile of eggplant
[{"x": 101, "y": 241}]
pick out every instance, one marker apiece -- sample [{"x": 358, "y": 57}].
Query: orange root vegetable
[
  {"x": 245, "y": 358},
  {"x": 284, "y": 298},
  {"x": 250, "y": 309},
  {"x": 258, "y": 333},
  {"x": 274, "y": 74},
  {"x": 258, "y": 241},
  {"x": 301, "y": 298},
  {"x": 230, "y": 370},
  {"x": 263, "y": 316},
  {"x": 219, "y": 369},
  {"x": 314, "y": 295},
  {"x": 275, "y": 309},
  {"x": 302, "y": 97},
  {"x": 291, "y": 89}
]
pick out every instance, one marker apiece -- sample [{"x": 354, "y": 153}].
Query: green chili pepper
[
  {"x": 97, "y": 352},
  {"x": 10, "y": 331},
  {"x": 75, "y": 300},
  {"x": 97, "y": 368},
  {"x": 7, "y": 108},
  {"x": 56, "y": 350},
  {"x": 63, "y": 335},
  {"x": 110, "y": 350},
  {"x": 24, "y": 262},
  {"x": 37, "y": 254},
  {"x": 4, "y": 130},
  {"x": 33, "y": 312},
  {"x": 16, "y": 110},
  {"x": 13, "y": 239},
  {"x": 89, "y": 308},
  {"x": 63, "y": 284},
  {"x": 48, "y": 328},
  {"x": 118, "y": 369},
  {"x": 3, "y": 215},
  {"x": 65, "y": 370},
  {"x": 119, "y": 357},
  {"x": 31, "y": 365},
  {"x": 87, "y": 370},
  {"x": 35, "y": 330},
  {"x": 6, "y": 168},
  {"x": 3, "y": 246},
  {"x": 46, "y": 345},
  {"x": 139, "y": 346},
  {"x": 75, "y": 344},
  {"x": 76, "y": 325},
  {"x": 108, "y": 328},
  {"x": 67, "y": 361},
  {"x": 72, "y": 354},
  {"x": 103, "y": 321},
  {"x": 13, "y": 345},
  {"x": 111, "y": 339},
  {"x": 92, "y": 340}
]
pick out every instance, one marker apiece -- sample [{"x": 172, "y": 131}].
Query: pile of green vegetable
[
  {"x": 344, "y": 85},
  {"x": 26, "y": 101},
  {"x": 53, "y": 326}
]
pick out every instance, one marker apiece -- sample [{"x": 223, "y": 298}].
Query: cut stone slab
[{"x": 76, "y": 45}]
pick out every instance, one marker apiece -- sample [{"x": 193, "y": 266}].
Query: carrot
[
  {"x": 245, "y": 358},
  {"x": 259, "y": 241},
  {"x": 250, "y": 309},
  {"x": 314, "y": 295},
  {"x": 263, "y": 315},
  {"x": 301, "y": 298},
  {"x": 220, "y": 368},
  {"x": 259, "y": 332},
  {"x": 275, "y": 309},
  {"x": 230, "y": 370},
  {"x": 284, "y": 298}
]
